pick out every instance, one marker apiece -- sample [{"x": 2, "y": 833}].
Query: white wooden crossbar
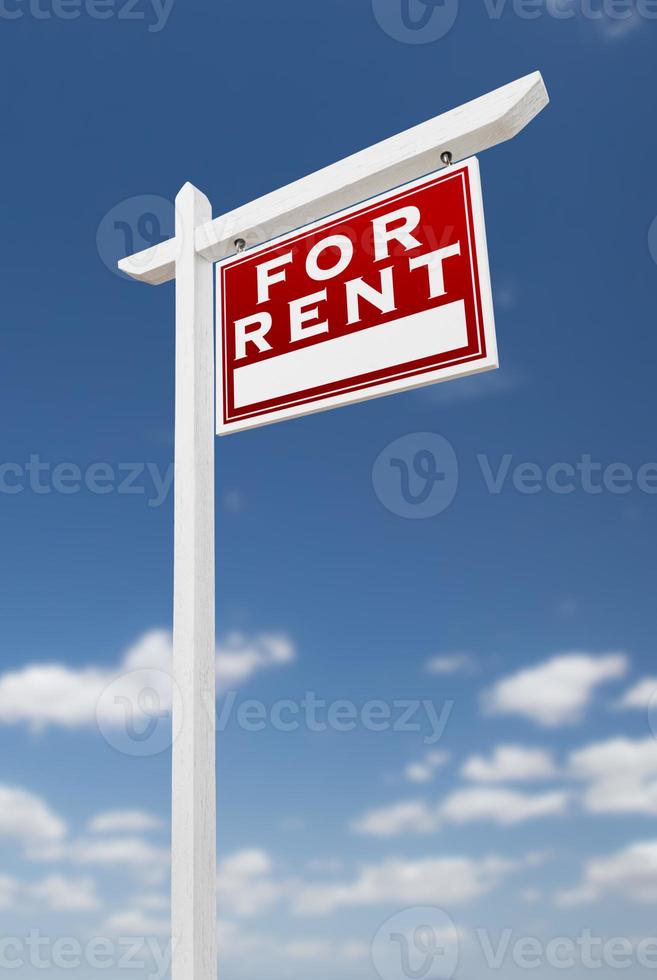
[{"x": 464, "y": 131}]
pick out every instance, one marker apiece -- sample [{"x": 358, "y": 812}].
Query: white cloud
[
  {"x": 621, "y": 774},
  {"x": 136, "y": 922},
  {"x": 130, "y": 851},
  {"x": 556, "y": 692},
  {"x": 305, "y": 949},
  {"x": 246, "y": 884},
  {"x": 412, "y": 817},
  {"x": 40, "y": 695},
  {"x": 425, "y": 769},
  {"x": 451, "y": 663},
  {"x": 614, "y": 29},
  {"x": 262, "y": 950},
  {"x": 641, "y": 695},
  {"x": 61, "y": 894},
  {"x": 317, "y": 950},
  {"x": 354, "y": 950},
  {"x": 112, "y": 852},
  {"x": 618, "y": 776},
  {"x": 248, "y": 863},
  {"x": 463, "y": 390},
  {"x": 123, "y": 821},
  {"x": 240, "y": 656},
  {"x": 570, "y": 897},
  {"x": 615, "y": 757},
  {"x": 53, "y": 694},
  {"x": 154, "y": 902},
  {"x": 27, "y": 818},
  {"x": 444, "y": 881},
  {"x": 8, "y": 891},
  {"x": 611, "y": 22},
  {"x": 510, "y": 763},
  {"x": 239, "y": 941},
  {"x": 147, "y": 914},
  {"x": 55, "y": 893},
  {"x": 502, "y": 806},
  {"x": 629, "y": 873},
  {"x": 325, "y": 866}
]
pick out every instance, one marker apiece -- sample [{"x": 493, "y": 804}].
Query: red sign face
[{"x": 391, "y": 294}]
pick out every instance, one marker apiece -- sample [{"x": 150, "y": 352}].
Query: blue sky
[{"x": 526, "y": 619}]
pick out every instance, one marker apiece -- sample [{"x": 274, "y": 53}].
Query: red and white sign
[{"x": 391, "y": 294}]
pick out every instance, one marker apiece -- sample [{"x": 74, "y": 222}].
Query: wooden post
[{"x": 193, "y": 872}]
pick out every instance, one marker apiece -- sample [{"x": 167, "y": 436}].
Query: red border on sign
[{"x": 367, "y": 382}]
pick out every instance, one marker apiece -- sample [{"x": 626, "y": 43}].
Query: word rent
[{"x": 328, "y": 260}]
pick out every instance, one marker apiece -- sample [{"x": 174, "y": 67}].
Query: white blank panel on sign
[{"x": 415, "y": 337}]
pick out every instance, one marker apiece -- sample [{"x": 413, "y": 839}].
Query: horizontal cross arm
[{"x": 465, "y": 131}]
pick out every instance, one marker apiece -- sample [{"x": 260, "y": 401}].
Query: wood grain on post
[{"x": 193, "y": 829}]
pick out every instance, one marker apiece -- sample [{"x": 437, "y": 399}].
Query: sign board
[{"x": 391, "y": 294}]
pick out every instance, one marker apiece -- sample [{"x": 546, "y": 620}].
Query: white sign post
[
  {"x": 188, "y": 258},
  {"x": 193, "y": 829}
]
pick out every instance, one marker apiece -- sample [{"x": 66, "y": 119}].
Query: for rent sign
[{"x": 389, "y": 295}]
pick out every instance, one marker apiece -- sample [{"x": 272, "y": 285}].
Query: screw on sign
[{"x": 386, "y": 296}]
